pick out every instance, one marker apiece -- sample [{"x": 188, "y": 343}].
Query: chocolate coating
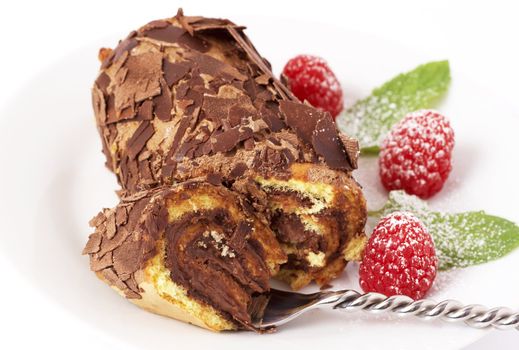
[{"x": 184, "y": 96}]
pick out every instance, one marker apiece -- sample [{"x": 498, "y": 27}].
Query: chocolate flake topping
[{"x": 206, "y": 77}]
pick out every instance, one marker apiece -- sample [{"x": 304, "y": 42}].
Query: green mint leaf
[
  {"x": 461, "y": 239},
  {"x": 370, "y": 119}
]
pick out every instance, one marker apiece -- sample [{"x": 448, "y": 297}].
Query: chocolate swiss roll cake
[
  {"x": 189, "y": 251},
  {"x": 190, "y": 98}
]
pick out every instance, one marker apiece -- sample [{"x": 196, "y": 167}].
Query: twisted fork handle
[{"x": 476, "y": 316}]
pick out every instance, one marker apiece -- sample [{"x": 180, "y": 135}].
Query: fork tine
[{"x": 284, "y": 306}]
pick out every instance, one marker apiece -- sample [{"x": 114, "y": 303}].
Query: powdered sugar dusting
[
  {"x": 370, "y": 119},
  {"x": 461, "y": 239}
]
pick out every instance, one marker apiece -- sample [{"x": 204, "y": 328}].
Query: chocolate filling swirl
[{"x": 213, "y": 247}]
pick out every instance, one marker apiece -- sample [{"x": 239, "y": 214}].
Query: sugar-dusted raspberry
[
  {"x": 416, "y": 155},
  {"x": 310, "y": 78},
  {"x": 399, "y": 258}
]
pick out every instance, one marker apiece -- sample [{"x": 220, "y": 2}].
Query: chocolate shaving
[
  {"x": 162, "y": 103},
  {"x": 274, "y": 123},
  {"x": 111, "y": 116},
  {"x": 104, "y": 53},
  {"x": 110, "y": 226},
  {"x": 93, "y": 244},
  {"x": 167, "y": 33},
  {"x": 198, "y": 24},
  {"x": 102, "y": 263},
  {"x": 102, "y": 81},
  {"x": 326, "y": 143},
  {"x": 226, "y": 141},
  {"x": 124, "y": 46},
  {"x": 214, "y": 179},
  {"x": 161, "y": 23},
  {"x": 110, "y": 244},
  {"x": 173, "y": 72},
  {"x": 99, "y": 105},
  {"x": 184, "y": 22},
  {"x": 238, "y": 170},
  {"x": 145, "y": 111},
  {"x": 97, "y": 220},
  {"x": 126, "y": 261},
  {"x": 139, "y": 138},
  {"x": 121, "y": 216},
  {"x": 132, "y": 284},
  {"x": 127, "y": 113},
  {"x": 263, "y": 79},
  {"x": 301, "y": 118},
  {"x": 181, "y": 130},
  {"x": 112, "y": 278},
  {"x": 352, "y": 149}
]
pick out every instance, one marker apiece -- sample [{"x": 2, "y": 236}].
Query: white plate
[{"x": 55, "y": 182}]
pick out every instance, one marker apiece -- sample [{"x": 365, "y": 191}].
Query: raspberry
[
  {"x": 416, "y": 155},
  {"x": 310, "y": 78},
  {"x": 400, "y": 258}
]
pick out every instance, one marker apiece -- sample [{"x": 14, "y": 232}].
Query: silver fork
[{"x": 284, "y": 306}]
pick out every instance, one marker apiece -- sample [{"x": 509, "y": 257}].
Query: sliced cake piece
[
  {"x": 318, "y": 215},
  {"x": 188, "y": 251}
]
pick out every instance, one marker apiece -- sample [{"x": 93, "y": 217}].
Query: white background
[{"x": 482, "y": 36}]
